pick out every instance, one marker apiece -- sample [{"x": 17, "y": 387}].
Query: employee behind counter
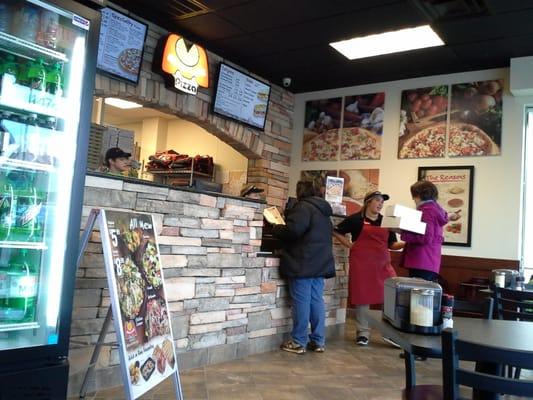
[{"x": 117, "y": 162}]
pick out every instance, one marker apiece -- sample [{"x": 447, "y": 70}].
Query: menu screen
[
  {"x": 241, "y": 97},
  {"x": 121, "y": 45}
]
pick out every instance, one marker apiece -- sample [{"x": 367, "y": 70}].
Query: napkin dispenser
[
  {"x": 504, "y": 277},
  {"x": 398, "y": 303}
]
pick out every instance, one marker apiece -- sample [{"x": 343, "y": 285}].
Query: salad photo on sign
[
  {"x": 362, "y": 127},
  {"x": 423, "y": 122},
  {"x": 137, "y": 290},
  {"x": 321, "y": 130},
  {"x": 476, "y": 120}
]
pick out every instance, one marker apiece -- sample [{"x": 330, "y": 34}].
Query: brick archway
[{"x": 268, "y": 152}]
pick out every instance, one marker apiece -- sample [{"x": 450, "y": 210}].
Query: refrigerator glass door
[{"x": 42, "y": 61}]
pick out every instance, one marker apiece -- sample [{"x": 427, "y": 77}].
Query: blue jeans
[{"x": 308, "y": 306}]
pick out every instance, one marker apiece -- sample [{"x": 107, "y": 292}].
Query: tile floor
[{"x": 344, "y": 371}]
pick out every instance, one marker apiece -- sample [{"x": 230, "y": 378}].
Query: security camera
[{"x": 287, "y": 82}]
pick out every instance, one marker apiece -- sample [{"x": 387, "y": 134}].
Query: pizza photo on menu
[
  {"x": 476, "y": 119},
  {"x": 130, "y": 60},
  {"x": 321, "y": 124}
]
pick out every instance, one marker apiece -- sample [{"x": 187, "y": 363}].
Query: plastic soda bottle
[
  {"x": 54, "y": 79},
  {"x": 37, "y": 75},
  {"x": 28, "y": 222},
  {"x": 6, "y": 210},
  {"x": 18, "y": 289}
]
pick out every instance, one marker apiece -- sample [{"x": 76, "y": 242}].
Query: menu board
[
  {"x": 138, "y": 298},
  {"x": 241, "y": 97},
  {"x": 121, "y": 45}
]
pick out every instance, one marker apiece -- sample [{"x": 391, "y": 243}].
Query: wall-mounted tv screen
[
  {"x": 121, "y": 45},
  {"x": 241, "y": 97}
]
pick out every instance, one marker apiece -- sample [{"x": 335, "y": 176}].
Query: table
[{"x": 512, "y": 335}]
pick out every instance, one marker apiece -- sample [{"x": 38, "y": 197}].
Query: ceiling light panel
[{"x": 120, "y": 103}]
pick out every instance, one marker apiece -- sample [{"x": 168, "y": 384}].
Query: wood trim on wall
[{"x": 457, "y": 270}]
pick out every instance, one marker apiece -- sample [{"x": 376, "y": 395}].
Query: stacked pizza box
[{"x": 405, "y": 218}]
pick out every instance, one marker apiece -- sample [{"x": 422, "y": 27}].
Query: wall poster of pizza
[
  {"x": 455, "y": 185},
  {"x": 362, "y": 127},
  {"x": 138, "y": 298},
  {"x": 476, "y": 119},
  {"x": 423, "y": 117},
  {"x": 321, "y": 130},
  {"x": 357, "y": 182}
]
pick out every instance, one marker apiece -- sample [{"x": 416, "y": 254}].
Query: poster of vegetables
[
  {"x": 423, "y": 122},
  {"x": 362, "y": 127},
  {"x": 357, "y": 182},
  {"x": 140, "y": 309},
  {"x": 321, "y": 130},
  {"x": 476, "y": 119}
]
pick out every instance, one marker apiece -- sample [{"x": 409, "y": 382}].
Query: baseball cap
[
  {"x": 116, "y": 152},
  {"x": 371, "y": 195}
]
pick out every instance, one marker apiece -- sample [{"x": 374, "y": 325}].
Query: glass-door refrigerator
[{"x": 47, "y": 72}]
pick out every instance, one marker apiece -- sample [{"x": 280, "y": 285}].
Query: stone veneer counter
[{"x": 225, "y": 301}]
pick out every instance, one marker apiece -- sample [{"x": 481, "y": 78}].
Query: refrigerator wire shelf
[
  {"x": 18, "y": 327},
  {"x": 13, "y": 44}
]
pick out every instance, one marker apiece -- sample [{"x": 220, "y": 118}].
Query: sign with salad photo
[{"x": 138, "y": 298}]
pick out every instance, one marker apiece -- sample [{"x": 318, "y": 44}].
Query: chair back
[
  {"x": 453, "y": 375},
  {"x": 482, "y": 309},
  {"x": 513, "y": 304}
]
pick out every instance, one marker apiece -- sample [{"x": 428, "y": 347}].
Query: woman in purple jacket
[{"x": 422, "y": 253}]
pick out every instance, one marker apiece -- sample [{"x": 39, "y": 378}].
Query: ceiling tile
[{"x": 209, "y": 27}]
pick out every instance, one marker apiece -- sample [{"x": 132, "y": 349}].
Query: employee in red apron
[{"x": 370, "y": 262}]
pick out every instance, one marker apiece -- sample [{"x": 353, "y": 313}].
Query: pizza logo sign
[{"x": 186, "y": 63}]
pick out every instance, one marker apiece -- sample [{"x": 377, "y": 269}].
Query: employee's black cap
[
  {"x": 370, "y": 195},
  {"x": 116, "y": 152}
]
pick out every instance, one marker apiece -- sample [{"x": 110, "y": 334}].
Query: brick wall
[{"x": 225, "y": 301}]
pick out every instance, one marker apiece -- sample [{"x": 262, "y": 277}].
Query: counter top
[{"x": 137, "y": 181}]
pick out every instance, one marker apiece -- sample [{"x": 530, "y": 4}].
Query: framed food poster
[
  {"x": 362, "y": 127},
  {"x": 138, "y": 299},
  {"x": 476, "y": 119},
  {"x": 423, "y": 122},
  {"x": 455, "y": 185},
  {"x": 357, "y": 182},
  {"x": 321, "y": 130}
]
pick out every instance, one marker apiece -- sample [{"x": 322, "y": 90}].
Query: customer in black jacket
[{"x": 306, "y": 260}]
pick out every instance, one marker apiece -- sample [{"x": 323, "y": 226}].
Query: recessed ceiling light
[
  {"x": 388, "y": 42},
  {"x": 120, "y": 103}
]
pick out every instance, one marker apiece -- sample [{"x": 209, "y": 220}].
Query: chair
[
  {"x": 434, "y": 392},
  {"x": 513, "y": 305},
  {"x": 485, "y": 379}
]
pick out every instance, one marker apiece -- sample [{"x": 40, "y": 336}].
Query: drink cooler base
[{"x": 44, "y": 383}]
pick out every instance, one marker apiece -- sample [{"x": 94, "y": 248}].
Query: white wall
[
  {"x": 189, "y": 138},
  {"x": 497, "y": 205}
]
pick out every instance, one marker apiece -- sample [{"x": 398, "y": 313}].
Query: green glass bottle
[
  {"x": 54, "y": 78},
  {"x": 18, "y": 293},
  {"x": 37, "y": 75}
]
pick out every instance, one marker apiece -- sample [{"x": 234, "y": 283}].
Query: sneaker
[
  {"x": 314, "y": 346},
  {"x": 292, "y": 347},
  {"x": 391, "y": 342},
  {"x": 362, "y": 340}
]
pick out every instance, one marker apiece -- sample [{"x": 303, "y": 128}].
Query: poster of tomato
[
  {"x": 476, "y": 119},
  {"x": 423, "y": 122},
  {"x": 138, "y": 298},
  {"x": 362, "y": 127}
]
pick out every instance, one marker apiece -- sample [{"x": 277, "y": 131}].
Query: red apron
[{"x": 370, "y": 265}]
